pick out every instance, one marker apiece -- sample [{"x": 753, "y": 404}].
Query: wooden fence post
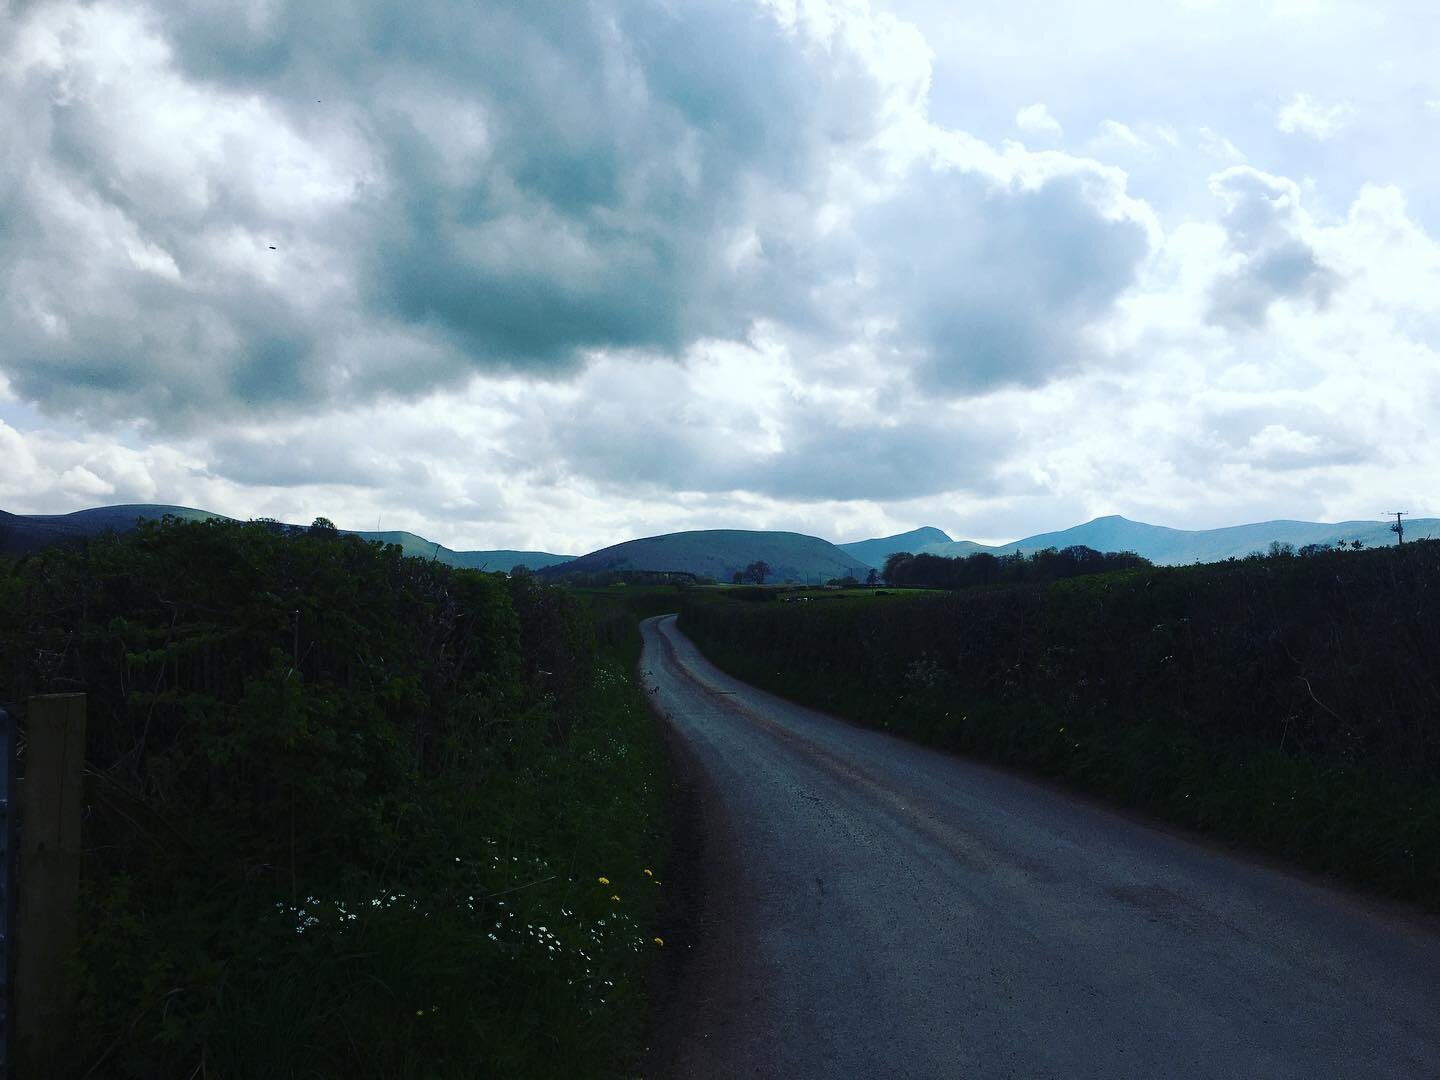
[{"x": 49, "y": 873}]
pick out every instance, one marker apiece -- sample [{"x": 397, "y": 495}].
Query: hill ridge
[{"x": 22, "y": 533}]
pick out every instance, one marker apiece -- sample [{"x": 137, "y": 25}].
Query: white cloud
[
  {"x": 1037, "y": 120},
  {"x": 1305, "y": 115},
  {"x": 1114, "y": 137},
  {"x": 1218, "y": 146},
  {"x": 689, "y": 266}
]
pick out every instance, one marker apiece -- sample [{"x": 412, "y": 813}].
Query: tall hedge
[
  {"x": 1289, "y": 702},
  {"x": 317, "y": 772}
]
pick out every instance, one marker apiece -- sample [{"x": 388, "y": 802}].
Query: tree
[
  {"x": 757, "y": 571},
  {"x": 896, "y": 565},
  {"x": 323, "y": 526},
  {"x": 872, "y": 577},
  {"x": 739, "y": 578}
]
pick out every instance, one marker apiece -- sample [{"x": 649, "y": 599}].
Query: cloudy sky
[{"x": 551, "y": 275}]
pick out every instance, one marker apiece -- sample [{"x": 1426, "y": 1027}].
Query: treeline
[
  {"x": 984, "y": 568},
  {"x": 593, "y": 579},
  {"x": 346, "y": 811},
  {"x": 1292, "y": 704}
]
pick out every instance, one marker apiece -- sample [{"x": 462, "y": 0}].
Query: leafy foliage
[
  {"x": 983, "y": 568},
  {"x": 1287, "y": 702},
  {"x": 332, "y": 794}
]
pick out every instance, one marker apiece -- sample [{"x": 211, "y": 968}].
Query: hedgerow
[
  {"x": 347, "y": 812},
  {"x": 1291, "y": 703}
]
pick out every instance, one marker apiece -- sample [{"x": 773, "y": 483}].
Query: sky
[{"x": 553, "y": 275}]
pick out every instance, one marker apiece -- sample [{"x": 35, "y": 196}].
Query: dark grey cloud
[
  {"x": 1264, "y": 222},
  {"x": 252, "y": 209},
  {"x": 527, "y": 182},
  {"x": 992, "y": 284}
]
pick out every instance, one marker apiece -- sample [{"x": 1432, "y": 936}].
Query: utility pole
[{"x": 1399, "y": 527}]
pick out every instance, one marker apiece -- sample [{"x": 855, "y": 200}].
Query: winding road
[{"x": 860, "y": 906}]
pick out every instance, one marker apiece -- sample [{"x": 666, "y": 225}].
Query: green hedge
[
  {"x": 346, "y": 810},
  {"x": 1291, "y": 703}
]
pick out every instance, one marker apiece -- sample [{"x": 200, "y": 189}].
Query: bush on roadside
[{"x": 346, "y": 810}]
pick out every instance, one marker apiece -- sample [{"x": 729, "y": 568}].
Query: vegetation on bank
[
  {"x": 1291, "y": 703},
  {"x": 347, "y": 813}
]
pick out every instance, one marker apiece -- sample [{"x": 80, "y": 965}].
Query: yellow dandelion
[
  {"x": 603, "y": 880},
  {"x": 615, "y": 898},
  {"x": 659, "y": 941},
  {"x": 649, "y": 873}
]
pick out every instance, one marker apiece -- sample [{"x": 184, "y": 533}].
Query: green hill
[
  {"x": 874, "y": 552},
  {"x": 503, "y": 559},
  {"x": 24, "y": 533},
  {"x": 720, "y": 553}
]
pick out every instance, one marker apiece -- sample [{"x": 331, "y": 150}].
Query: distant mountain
[
  {"x": 501, "y": 559},
  {"x": 874, "y": 552},
  {"x": 719, "y": 553},
  {"x": 23, "y": 533},
  {"x": 1173, "y": 546}
]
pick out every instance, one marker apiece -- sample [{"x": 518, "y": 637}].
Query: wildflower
[
  {"x": 649, "y": 873},
  {"x": 615, "y": 898},
  {"x": 603, "y": 880},
  {"x": 659, "y": 941}
]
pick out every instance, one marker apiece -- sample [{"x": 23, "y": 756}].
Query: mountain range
[
  {"x": 719, "y": 553},
  {"x": 1169, "y": 547},
  {"x": 22, "y": 533}
]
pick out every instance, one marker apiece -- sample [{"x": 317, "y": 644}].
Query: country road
[{"x": 865, "y": 907}]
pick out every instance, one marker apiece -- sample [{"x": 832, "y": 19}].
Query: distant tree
[
  {"x": 1308, "y": 550},
  {"x": 757, "y": 571},
  {"x": 323, "y": 526},
  {"x": 1280, "y": 548},
  {"x": 872, "y": 577},
  {"x": 1356, "y": 545},
  {"x": 521, "y": 570},
  {"x": 739, "y": 578},
  {"x": 983, "y": 568},
  {"x": 897, "y": 565}
]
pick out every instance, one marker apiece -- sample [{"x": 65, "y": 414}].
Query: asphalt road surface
[{"x": 865, "y": 907}]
